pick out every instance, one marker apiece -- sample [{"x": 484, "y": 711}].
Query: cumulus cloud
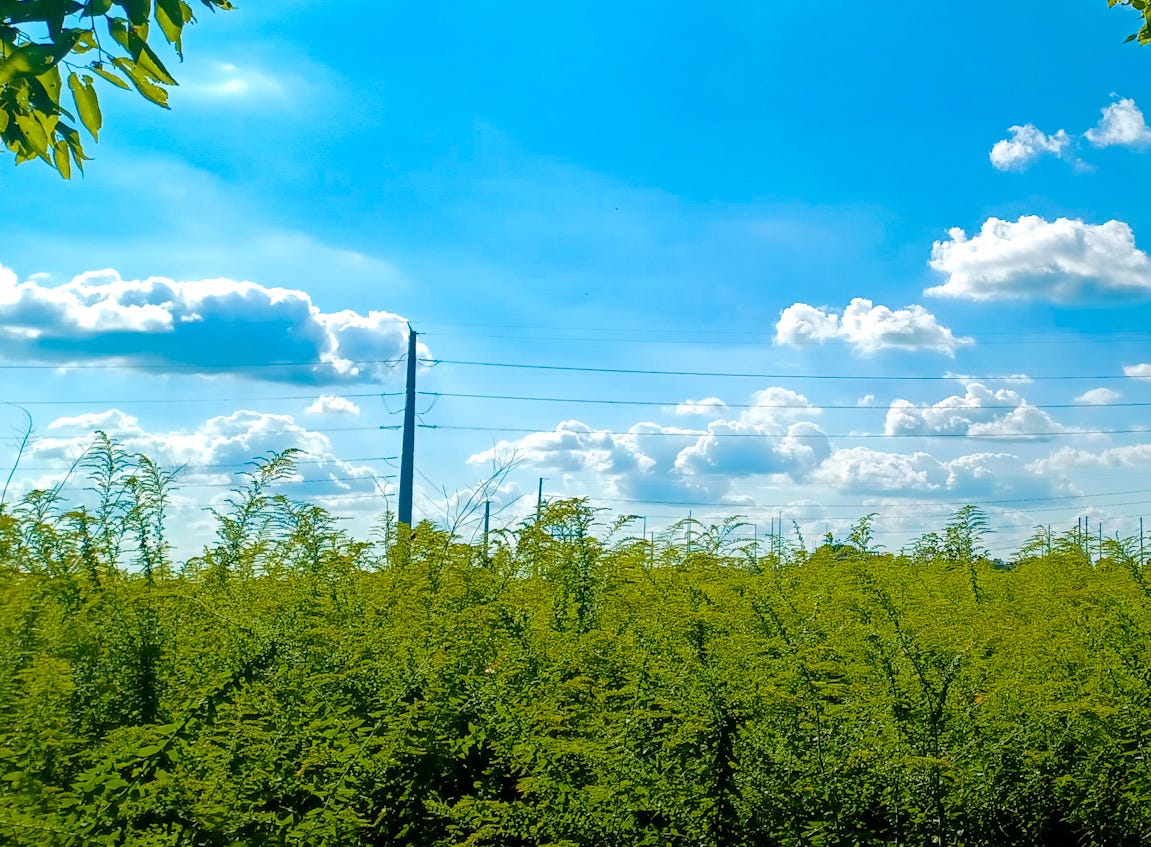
[
  {"x": 214, "y": 446},
  {"x": 1138, "y": 371},
  {"x": 1098, "y": 397},
  {"x": 326, "y": 404},
  {"x": 706, "y": 406},
  {"x": 656, "y": 461},
  {"x": 745, "y": 447},
  {"x": 630, "y": 463},
  {"x": 1061, "y": 261},
  {"x": 213, "y": 326},
  {"x": 1123, "y": 125},
  {"x": 1072, "y": 458},
  {"x": 867, "y": 327},
  {"x": 979, "y": 411},
  {"x": 210, "y": 455},
  {"x": 1026, "y": 144},
  {"x": 863, "y": 471}
]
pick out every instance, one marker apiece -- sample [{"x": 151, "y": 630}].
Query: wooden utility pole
[
  {"x": 487, "y": 526},
  {"x": 540, "y": 501},
  {"x": 408, "y": 457}
]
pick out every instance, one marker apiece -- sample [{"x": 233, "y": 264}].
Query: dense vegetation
[{"x": 570, "y": 686}]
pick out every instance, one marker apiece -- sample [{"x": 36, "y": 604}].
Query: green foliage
[
  {"x": 569, "y": 685},
  {"x": 1143, "y": 36},
  {"x": 42, "y": 40}
]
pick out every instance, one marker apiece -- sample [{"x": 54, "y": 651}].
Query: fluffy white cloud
[
  {"x": 1026, "y": 144},
  {"x": 1122, "y": 124},
  {"x": 326, "y": 404},
  {"x": 210, "y": 455},
  {"x": 634, "y": 463},
  {"x": 1034, "y": 259},
  {"x": 706, "y": 406},
  {"x": 867, "y": 327},
  {"x": 1098, "y": 397},
  {"x": 1069, "y": 459},
  {"x": 662, "y": 462},
  {"x": 979, "y": 411},
  {"x": 746, "y": 447},
  {"x": 863, "y": 471},
  {"x": 775, "y": 405},
  {"x": 1138, "y": 371},
  {"x": 212, "y": 326}
]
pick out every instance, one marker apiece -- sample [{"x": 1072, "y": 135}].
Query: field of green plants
[{"x": 570, "y": 685}]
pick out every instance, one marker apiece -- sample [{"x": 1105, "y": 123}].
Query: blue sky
[{"x": 763, "y": 188}]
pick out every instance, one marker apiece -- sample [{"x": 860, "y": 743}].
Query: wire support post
[{"x": 408, "y": 455}]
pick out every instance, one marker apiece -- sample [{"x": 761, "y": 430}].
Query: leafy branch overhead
[
  {"x": 44, "y": 42},
  {"x": 1143, "y": 7}
]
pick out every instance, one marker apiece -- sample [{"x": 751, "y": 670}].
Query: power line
[
  {"x": 768, "y": 406},
  {"x": 204, "y": 367},
  {"x": 1009, "y": 334},
  {"x": 226, "y": 465},
  {"x": 880, "y": 505},
  {"x": 750, "y": 375},
  {"x": 181, "y": 400},
  {"x": 1001, "y": 436}
]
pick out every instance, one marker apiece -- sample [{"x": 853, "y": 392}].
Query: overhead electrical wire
[
  {"x": 1001, "y": 436},
  {"x": 856, "y": 377},
  {"x": 668, "y": 404}
]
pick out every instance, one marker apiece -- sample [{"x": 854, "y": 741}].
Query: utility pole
[
  {"x": 487, "y": 526},
  {"x": 408, "y": 457},
  {"x": 1141, "y": 542},
  {"x": 540, "y": 501}
]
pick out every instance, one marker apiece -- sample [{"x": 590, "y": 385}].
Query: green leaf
[
  {"x": 138, "y": 11},
  {"x": 87, "y": 103},
  {"x": 50, "y": 80},
  {"x": 151, "y": 64},
  {"x": 34, "y": 134},
  {"x": 61, "y": 159},
  {"x": 140, "y": 80},
  {"x": 98, "y": 68},
  {"x": 170, "y": 17}
]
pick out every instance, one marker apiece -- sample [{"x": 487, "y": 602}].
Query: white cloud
[
  {"x": 211, "y": 454},
  {"x": 662, "y": 462},
  {"x": 1061, "y": 261},
  {"x": 706, "y": 406},
  {"x": 1027, "y": 143},
  {"x": 978, "y": 412},
  {"x": 867, "y": 327},
  {"x": 1122, "y": 124},
  {"x": 211, "y": 326},
  {"x": 326, "y": 404},
  {"x": 863, "y": 471},
  {"x": 745, "y": 447},
  {"x": 1008, "y": 379},
  {"x": 1072, "y": 458},
  {"x": 1098, "y": 397},
  {"x": 775, "y": 405},
  {"x": 1138, "y": 371},
  {"x": 633, "y": 463},
  {"x": 229, "y": 81}
]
